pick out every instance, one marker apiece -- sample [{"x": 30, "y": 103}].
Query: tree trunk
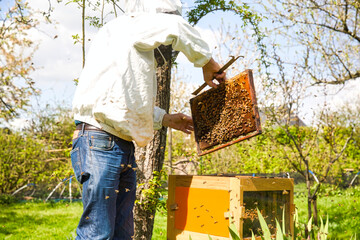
[
  {"x": 170, "y": 152},
  {"x": 151, "y": 157},
  {"x": 315, "y": 212},
  {"x": 308, "y": 186}
]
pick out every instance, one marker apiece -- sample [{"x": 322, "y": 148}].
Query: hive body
[{"x": 203, "y": 206}]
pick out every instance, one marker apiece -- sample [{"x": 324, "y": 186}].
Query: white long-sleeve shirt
[{"x": 117, "y": 87}]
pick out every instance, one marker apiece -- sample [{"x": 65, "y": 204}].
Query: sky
[{"x": 58, "y": 61}]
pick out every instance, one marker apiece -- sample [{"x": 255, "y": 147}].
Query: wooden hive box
[{"x": 203, "y": 206}]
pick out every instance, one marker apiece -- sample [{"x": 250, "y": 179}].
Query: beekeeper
[{"x": 114, "y": 106}]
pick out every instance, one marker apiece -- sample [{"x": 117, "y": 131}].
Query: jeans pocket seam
[{"x": 76, "y": 163}]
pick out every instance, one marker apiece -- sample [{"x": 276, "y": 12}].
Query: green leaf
[
  {"x": 190, "y": 238},
  {"x": 326, "y": 229},
  {"x": 321, "y": 224},
  {"x": 283, "y": 220},
  {"x": 264, "y": 226},
  {"x": 252, "y": 235},
  {"x": 209, "y": 237},
  {"x": 234, "y": 232},
  {"x": 279, "y": 232},
  {"x": 321, "y": 232},
  {"x": 309, "y": 224},
  {"x": 296, "y": 222}
]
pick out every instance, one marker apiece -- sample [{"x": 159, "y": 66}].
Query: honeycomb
[{"x": 225, "y": 113}]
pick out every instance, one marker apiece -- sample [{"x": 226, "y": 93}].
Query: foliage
[
  {"x": 267, "y": 154},
  {"x": 204, "y": 7},
  {"x": 6, "y": 199},
  {"x": 42, "y": 151},
  {"x": 22, "y": 164},
  {"x": 53, "y": 127},
  {"x": 320, "y": 233},
  {"x": 264, "y": 226},
  {"x": 302, "y": 147},
  {"x": 234, "y": 232},
  {"x": 317, "y": 151},
  {"x": 338, "y": 204},
  {"x": 248, "y": 16},
  {"x": 152, "y": 196},
  {"x": 270, "y": 153},
  {"x": 16, "y": 52}
]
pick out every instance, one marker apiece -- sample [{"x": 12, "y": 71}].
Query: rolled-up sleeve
[
  {"x": 165, "y": 29},
  {"x": 158, "y": 117}
]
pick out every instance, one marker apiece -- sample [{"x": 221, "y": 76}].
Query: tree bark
[
  {"x": 83, "y": 33},
  {"x": 170, "y": 152},
  {"x": 151, "y": 157},
  {"x": 315, "y": 210},
  {"x": 308, "y": 187}
]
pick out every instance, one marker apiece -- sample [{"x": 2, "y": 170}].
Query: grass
[
  {"x": 341, "y": 206},
  {"x": 38, "y": 220},
  {"x": 159, "y": 232}
]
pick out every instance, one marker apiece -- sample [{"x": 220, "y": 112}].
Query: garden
[
  {"x": 46, "y": 210},
  {"x": 304, "y": 56},
  {"x": 35, "y": 219}
]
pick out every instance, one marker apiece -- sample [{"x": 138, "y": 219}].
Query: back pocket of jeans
[
  {"x": 101, "y": 142},
  {"x": 77, "y": 165}
]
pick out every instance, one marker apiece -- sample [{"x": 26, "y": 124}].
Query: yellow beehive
[{"x": 203, "y": 206}]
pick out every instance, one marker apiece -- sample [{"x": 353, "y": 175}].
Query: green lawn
[
  {"x": 341, "y": 206},
  {"x": 38, "y": 220},
  {"x": 159, "y": 232}
]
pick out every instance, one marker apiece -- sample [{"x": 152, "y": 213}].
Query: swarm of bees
[{"x": 224, "y": 113}]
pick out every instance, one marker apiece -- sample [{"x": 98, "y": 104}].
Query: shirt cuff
[
  {"x": 203, "y": 60},
  {"x": 158, "y": 118}
]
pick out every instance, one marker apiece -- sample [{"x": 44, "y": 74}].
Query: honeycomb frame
[{"x": 226, "y": 115}]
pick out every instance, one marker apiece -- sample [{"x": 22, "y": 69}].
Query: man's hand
[
  {"x": 210, "y": 73},
  {"x": 178, "y": 121}
]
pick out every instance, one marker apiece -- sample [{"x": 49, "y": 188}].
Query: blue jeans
[{"x": 105, "y": 166}]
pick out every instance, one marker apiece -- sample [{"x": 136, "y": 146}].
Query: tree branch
[
  {"x": 56, "y": 159},
  {"x": 347, "y": 32},
  {"x": 58, "y": 150},
  {"x": 331, "y": 162},
  {"x": 83, "y": 32}
]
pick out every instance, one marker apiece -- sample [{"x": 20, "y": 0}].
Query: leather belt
[{"x": 87, "y": 127}]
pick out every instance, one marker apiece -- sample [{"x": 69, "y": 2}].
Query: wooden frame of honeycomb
[{"x": 225, "y": 115}]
